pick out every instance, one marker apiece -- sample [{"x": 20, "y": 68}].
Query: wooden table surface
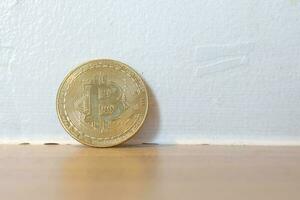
[{"x": 149, "y": 172}]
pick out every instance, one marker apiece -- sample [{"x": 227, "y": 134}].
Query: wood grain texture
[{"x": 149, "y": 172}]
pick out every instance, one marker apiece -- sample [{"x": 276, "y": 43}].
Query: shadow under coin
[
  {"x": 90, "y": 173},
  {"x": 150, "y": 128}
]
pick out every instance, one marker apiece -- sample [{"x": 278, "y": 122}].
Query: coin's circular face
[{"x": 102, "y": 103}]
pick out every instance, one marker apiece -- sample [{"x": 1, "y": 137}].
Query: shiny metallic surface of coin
[{"x": 102, "y": 103}]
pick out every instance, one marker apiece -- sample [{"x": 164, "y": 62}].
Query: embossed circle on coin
[{"x": 102, "y": 103}]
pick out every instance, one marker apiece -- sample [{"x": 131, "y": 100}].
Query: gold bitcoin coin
[{"x": 102, "y": 103}]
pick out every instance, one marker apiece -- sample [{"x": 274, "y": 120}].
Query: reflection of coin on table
[{"x": 102, "y": 103}]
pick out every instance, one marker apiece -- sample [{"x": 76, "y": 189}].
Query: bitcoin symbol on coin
[{"x": 102, "y": 102}]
